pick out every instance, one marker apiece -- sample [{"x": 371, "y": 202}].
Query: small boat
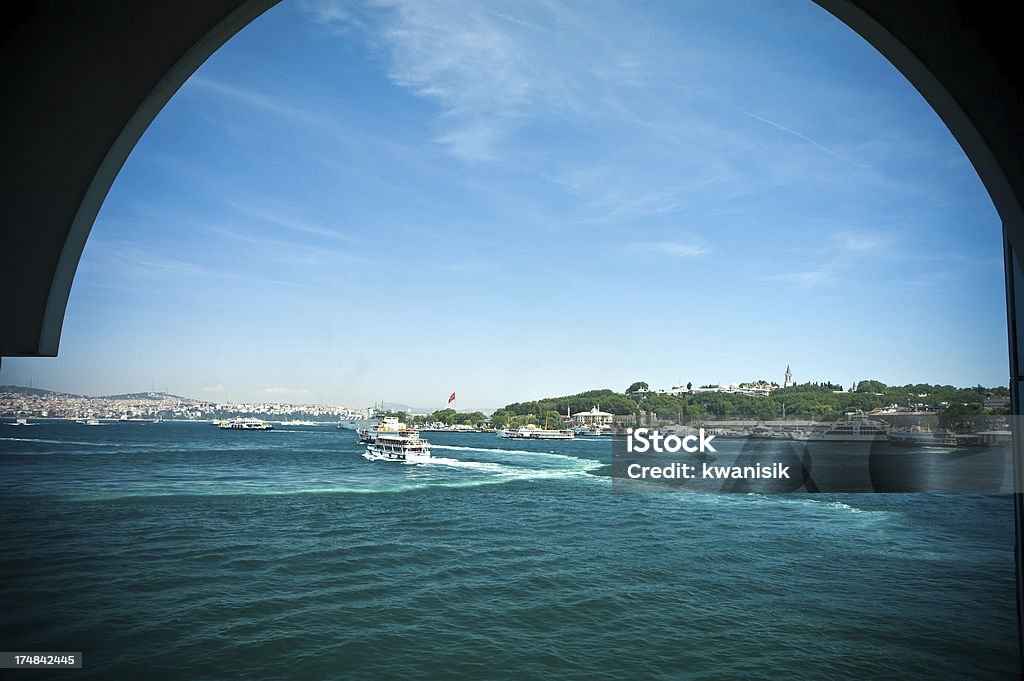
[
  {"x": 245, "y": 424},
  {"x": 22, "y": 422},
  {"x": 769, "y": 433}
]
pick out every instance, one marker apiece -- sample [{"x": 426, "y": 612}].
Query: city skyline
[
  {"x": 351, "y": 203},
  {"x": 670, "y": 388}
]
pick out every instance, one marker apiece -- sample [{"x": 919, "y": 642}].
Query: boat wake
[
  {"x": 53, "y": 442},
  {"x": 505, "y": 470},
  {"x": 524, "y": 452}
]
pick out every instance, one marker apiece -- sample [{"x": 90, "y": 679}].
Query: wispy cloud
[
  {"x": 135, "y": 264},
  {"x": 807, "y": 139},
  {"x": 672, "y": 249},
  {"x": 284, "y": 217},
  {"x": 491, "y": 72},
  {"x": 278, "y": 106},
  {"x": 803, "y": 278},
  {"x": 862, "y": 242},
  {"x": 214, "y": 388},
  {"x": 840, "y": 255}
]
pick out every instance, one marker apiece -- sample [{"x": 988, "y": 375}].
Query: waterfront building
[
  {"x": 593, "y": 418},
  {"x": 625, "y": 420}
]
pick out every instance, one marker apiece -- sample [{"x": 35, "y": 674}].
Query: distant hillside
[
  {"x": 39, "y": 392},
  {"x": 397, "y": 406},
  {"x": 147, "y": 396}
]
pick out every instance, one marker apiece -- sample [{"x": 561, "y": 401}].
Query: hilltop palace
[{"x": 759, "y": 389}]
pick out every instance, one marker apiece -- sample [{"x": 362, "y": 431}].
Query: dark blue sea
[{"x": 182, "y": 551}]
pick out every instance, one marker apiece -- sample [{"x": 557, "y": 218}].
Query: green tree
[
  {"x": 871, "y": 386},
  {"x": 959, "y": 417},
  {"x": 637, "y": 387},
  {"x": 445, "y": 416}
]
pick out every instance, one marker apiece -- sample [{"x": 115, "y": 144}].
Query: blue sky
[{"x": 352, "y": 202}]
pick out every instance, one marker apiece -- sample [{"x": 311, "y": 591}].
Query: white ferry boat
[
  {"x": 856, "y": 427},
  {"x": 298, "y": 422},
  {"x": 245, "y": 424},
  {"x": 595, "y": 431},
  {"x": 391, "y": 440},
  {"x": 920, "y": 437},
  {"x": 532, "y": 432},
  {"x": 22, "y": 422}
]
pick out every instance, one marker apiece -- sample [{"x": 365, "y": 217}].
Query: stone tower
[{"x": 789, "y": 378}]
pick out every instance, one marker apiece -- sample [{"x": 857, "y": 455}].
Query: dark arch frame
[{"x": 81, "y": 82}]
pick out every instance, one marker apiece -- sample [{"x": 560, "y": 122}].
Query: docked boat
[
  {"x": 532, "y": 432},
  {"x": 359, "y": 420},
  {"x": 920, "y": 437},
  {"x": 856, "y": 427},
  {"x": 770, "y": 433},
  {"x": 594, "y": 431},
  {"x": 391, "y": 440},
  {"x": 245, "y": 424},
  {"x": 22, "y": 422}
]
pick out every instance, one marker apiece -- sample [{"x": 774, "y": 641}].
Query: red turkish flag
[{"x": 451, "y": 399}]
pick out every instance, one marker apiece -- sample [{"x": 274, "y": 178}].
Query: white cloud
[
  {"x": 260, "y": 101},
  {"x": 673, "y": 249},
  {"x": 808, "y": 278},
  {"x": 807, "y": 139},
  {"x": 862, "y": 242},
  {"x": 490, "y": 72}
]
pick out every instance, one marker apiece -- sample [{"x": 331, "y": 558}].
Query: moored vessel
[
  {"x": 920, "y": 437},
  {"x": 532, "y": 432},
  {"x": 358, "y": 420},
  {"x": 856, "y": 427},
  {"x": 594, "y": 431}
]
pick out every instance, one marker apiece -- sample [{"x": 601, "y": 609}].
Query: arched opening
[{"x": 1003, "y": 213}]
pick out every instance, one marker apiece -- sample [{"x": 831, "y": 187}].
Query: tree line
[{"x": 818, "y": 401}]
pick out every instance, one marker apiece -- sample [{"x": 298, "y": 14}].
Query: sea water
[{"x": 182, "y": 551}]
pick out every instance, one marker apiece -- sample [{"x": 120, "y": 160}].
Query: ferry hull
[
  {"x": 839, "y": 438},
  {"x": 537, "y": 434},
  {"x": 373, "y": 453}
]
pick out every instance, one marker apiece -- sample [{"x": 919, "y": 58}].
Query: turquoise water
[{"x": 182, "y": 551}]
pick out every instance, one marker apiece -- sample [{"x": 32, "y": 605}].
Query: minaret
[{"x": 789, "y": 378}]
